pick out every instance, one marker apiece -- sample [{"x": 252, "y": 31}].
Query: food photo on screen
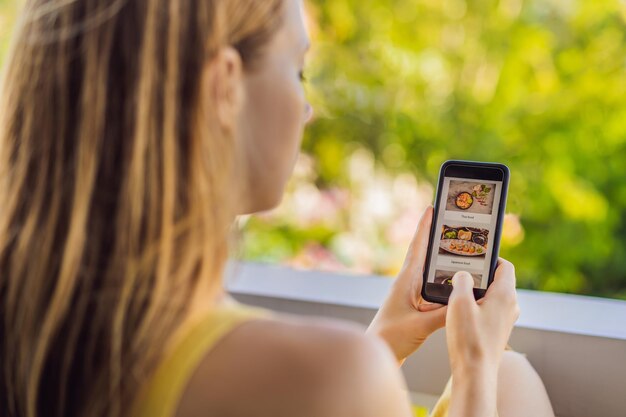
[
  {"x": 470, "y": 196},
  {"x": 463, "y": 241}
]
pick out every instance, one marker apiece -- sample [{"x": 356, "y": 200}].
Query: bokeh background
[{"x": 399, "y": 86}]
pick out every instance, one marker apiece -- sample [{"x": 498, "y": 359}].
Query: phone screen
[{"x": 467, "y": 224}]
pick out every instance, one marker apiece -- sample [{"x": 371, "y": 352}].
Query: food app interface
[{"x": 466, "y": 221}]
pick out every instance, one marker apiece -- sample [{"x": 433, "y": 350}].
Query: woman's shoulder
[{"x": 287, "y": 365}]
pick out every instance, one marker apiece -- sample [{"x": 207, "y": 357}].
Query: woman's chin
[{"x": 263, "y": 202}]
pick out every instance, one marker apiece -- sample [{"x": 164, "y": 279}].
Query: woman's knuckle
[
  {"x": 510, "y": 297},
  {"x": 507, "y": 267},
  {"x": 461, "y": 301}
]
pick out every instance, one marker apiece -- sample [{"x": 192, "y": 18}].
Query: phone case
[{"x": 478, "y": 292}]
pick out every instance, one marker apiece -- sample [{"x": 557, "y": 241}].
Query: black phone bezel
[{"x": 470, "y": 170}]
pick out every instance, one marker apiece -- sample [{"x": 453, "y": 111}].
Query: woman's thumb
[{"x": 462, "y": 285}]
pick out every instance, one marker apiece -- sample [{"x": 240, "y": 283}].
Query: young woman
[{"x": 132, "y": 132}]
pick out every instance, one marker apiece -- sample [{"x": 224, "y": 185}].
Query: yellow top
[{"x": 162, "y": 393}]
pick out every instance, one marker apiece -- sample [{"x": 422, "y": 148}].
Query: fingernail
[{"x": 459, "y": 276}]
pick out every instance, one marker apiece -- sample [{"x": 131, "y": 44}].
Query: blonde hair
[{"x": 116, "y": 191}]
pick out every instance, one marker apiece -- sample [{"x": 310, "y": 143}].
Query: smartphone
[{"x": 467, "y": 225}]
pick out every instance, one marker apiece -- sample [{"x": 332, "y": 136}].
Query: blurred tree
[
  {"x": 7, "y": 15},
  {"x": 539, "y": 85}
]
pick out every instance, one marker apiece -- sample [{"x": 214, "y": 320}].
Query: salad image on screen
[
  {"x": 470, "y": 196},
  {"x": 463, "y": 241}
]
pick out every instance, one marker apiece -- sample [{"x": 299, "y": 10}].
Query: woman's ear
[{"x": 223, "y": 86}]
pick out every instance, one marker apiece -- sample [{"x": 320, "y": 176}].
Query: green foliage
[
  {"x": 7, "y": 15},
  {"x": 538, "y": 85}
]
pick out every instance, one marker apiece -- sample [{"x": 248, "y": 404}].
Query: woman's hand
[
  {"x": 477, "y": 333},
  {"x": 405, "y": 320}
]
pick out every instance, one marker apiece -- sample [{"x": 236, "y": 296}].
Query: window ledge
[
  {"x": 576, "y": 343},
  {"x": 566, "y": 313}
]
